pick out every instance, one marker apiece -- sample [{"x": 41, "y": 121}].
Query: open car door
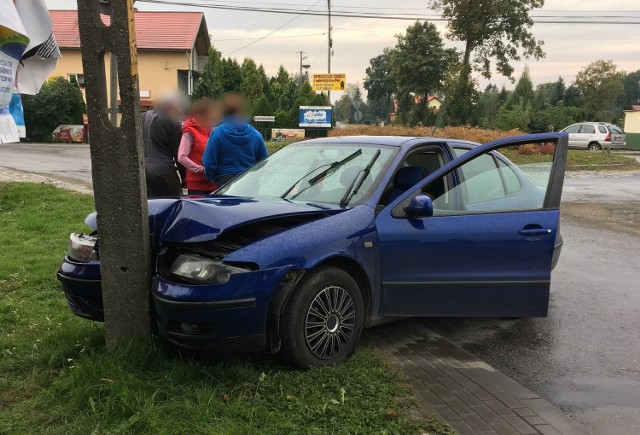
[{"x": 476, "y": 237}]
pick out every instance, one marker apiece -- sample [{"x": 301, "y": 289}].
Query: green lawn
[
  {"x": 56, "y": 377},
  {"x": 580, "y": 160}
]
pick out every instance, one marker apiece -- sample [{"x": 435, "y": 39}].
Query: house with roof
[
  {"x": 433, "y": 102},
  {"x": 172, "y": 50},
  {"x": 632, "y": 127}
]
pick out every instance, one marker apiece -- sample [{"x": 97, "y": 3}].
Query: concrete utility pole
[
  {"x": 302, "y": 57},
  {"x": 330, "y": 45},
  {"x": 118, "y": 170}
]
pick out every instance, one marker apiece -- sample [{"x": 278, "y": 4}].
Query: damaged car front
[{"x": 226, "y": 264}]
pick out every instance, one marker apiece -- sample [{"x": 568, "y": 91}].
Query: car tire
[
  {"x": 322, "y": 322},
  {"x": 594, "y": 146}
]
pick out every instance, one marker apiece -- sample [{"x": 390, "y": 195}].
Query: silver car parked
[{"x": 596, "y": 136}]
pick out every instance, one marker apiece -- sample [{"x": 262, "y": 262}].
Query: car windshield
[{"x": 325, "y": 173}]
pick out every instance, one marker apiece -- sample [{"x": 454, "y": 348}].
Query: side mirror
[{"x": 420, "y": 206}]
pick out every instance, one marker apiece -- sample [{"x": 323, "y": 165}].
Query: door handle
[{"x": 535, "y": 232}]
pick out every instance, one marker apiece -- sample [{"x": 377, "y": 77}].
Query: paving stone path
[{"x": 456, "y": 387}]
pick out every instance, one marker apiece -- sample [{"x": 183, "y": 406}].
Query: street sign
[
  {"x": 329, "y": 82},
  {"x": 357, "y": 116},
  {"x": 264, "y": 118},
  {"x": 356, "y": 104}
]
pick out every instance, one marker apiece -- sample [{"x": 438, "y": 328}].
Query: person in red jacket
[{"x": 195, "y": 135}]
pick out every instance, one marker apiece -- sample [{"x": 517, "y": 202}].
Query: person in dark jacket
[
  {"x": 234, "y": 146},
  {"x": 162, "y": 132}
]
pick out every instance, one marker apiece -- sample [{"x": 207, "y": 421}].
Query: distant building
[
  {"x": 632, "y": 128},
  {"x": 434, "y": 103},
  {"x": 172, "y": 50}
]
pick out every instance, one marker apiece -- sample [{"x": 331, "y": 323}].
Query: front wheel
[{"x": 322, "y": 322}]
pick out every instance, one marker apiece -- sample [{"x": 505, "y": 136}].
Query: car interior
[{"x": 416, "y": 167}]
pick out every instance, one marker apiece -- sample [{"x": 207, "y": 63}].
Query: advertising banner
[
  {"x": 286, "y": 134},
  {"x": 17, "y": 112},
  {"x": 68, "y": 133},
  {"x": 315, "y": 117},
  {"x": 329, "y": 82}
]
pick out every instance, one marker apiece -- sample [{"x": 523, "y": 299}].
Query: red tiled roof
[{"x": 166, "y": 31}]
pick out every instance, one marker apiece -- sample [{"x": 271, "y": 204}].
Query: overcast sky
[{"x": 569, "y": 47}]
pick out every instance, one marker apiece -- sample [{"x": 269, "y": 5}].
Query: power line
[
  {"x": 557, "y": 19},
  {"x": 273, "y": 31},
  {"x": 270, "y": 37}
]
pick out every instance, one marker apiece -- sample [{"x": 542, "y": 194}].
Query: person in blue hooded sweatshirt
[{"x": 234, "y": 146}]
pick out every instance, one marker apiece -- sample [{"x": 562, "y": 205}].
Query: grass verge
[
  {"x": 579, "y": 160},
  {"x": 56, "y": 377}
]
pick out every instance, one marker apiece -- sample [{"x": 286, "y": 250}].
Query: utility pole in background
[
  {"x": 117, "y": 164},
  {"x": 302, "y": 66},
  {"x": 330, "y": 45}
]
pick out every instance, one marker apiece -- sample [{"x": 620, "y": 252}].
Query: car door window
[
  {"x": 588, "y": 129},
  {"x": 489, "y": 184},
  {"x": 573, "y": 129}
]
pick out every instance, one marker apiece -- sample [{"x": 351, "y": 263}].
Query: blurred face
[
  {"x": 210, "y": 117},
  {"x": 173, "y": 112}
]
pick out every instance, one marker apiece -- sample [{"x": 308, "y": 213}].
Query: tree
[
  {"x": 263, "y": 107},
  {"x": 208, "y": 85},
  {"x": 344, "y": 108},
  {"x": 461, "y": 97},
  {"x": 523, "y": 93},
  {"x": 58, "y": 102},
  {"x": 251, "y": 82},
  {"x": 419, "y": 65},
  {"x": 631, "y": 89},
  {"x": 600, "y": 85},
  {"x": 492, "y": 30},
  {"x": 557, "y": 94},
  {"x": 572, "y": 97},
  {"x": 380, "y": 83}
]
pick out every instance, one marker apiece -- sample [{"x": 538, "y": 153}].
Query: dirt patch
[
  {"x": 13, "y": 175},
  {"x": 622, "y": 217}
]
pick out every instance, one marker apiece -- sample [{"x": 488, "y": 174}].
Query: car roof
[{"x": 396, "y": 141}]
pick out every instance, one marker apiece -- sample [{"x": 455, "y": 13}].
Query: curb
[{"x": 468, "y": 394}]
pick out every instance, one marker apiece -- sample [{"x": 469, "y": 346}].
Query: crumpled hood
[
  {"x": 200, "y": 220},
  {"x": 236, "y": 130}
]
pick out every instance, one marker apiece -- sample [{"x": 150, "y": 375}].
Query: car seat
[{"x": 404, "y": 179}]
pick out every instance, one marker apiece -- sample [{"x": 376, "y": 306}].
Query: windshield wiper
[
  {"x": 331, "y": 167},
  {"x": 354, "y": 187}
]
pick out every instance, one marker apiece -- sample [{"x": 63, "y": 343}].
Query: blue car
[{"x": 326, "y": 237}]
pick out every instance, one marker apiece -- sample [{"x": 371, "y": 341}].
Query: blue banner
[
  {"x": 17, "y": 112},
  {"x": 315, "y": 117}
]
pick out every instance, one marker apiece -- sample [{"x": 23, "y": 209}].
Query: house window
[{"x": 77, "y": 79}]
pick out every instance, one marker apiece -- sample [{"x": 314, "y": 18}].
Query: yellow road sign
[{"x": 329, "y": 82}]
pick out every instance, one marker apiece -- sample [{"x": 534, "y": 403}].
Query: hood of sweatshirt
[{"x": 236, "y": 130}]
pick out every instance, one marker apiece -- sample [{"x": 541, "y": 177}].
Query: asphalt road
[
  {"x": 583, "y": 358},
  {"x": 67, "y": 163}
]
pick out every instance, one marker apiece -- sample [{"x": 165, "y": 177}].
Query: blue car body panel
[{"x": 477, "y": 264}]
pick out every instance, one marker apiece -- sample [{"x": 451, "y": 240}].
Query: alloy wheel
[{"x": 330, "y": 322}]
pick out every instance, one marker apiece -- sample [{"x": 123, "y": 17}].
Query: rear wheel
[
  {"x": 323, "y": 320},
  {"x": 594, "y": 146}
]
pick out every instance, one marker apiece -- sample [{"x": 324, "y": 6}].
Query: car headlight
[
  {"x": 203, "y": 270},
  {"x": 82, "y": 248}
]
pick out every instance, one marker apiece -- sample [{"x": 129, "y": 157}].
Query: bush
[
  {"x": 530, "y": 149},
  {"x": 59, "y": 102},
  {"x": 463, "y": 133}
]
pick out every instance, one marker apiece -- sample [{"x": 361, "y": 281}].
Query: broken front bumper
[{"x": 81, "y": 283}]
